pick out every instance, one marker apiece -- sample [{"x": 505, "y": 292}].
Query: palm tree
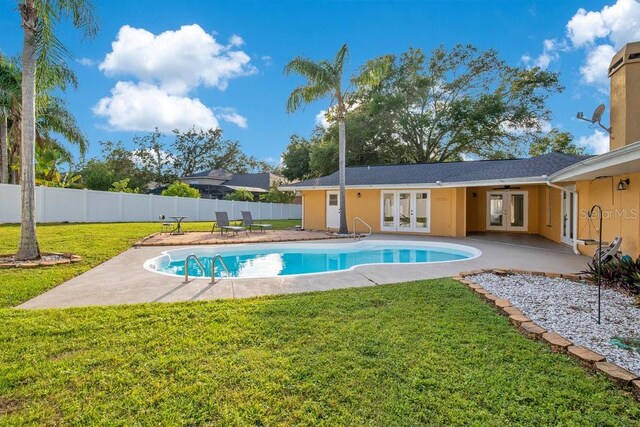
[
  {"x": 39, "y": 18},
  {"x": 9, "y": 108},
  {"x": 324, "y": 78}
]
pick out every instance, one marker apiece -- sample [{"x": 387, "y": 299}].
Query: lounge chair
[
  {"x": 610, "y": 252},
  {"x": 247, "y": 221},
  {"x": 222, "y": 222}
]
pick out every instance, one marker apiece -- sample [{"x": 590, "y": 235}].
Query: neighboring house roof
[
  {"x": 256, "y": 182},
  {"x": 212, "y": 173},
  {"x": 480, "y": 172}
]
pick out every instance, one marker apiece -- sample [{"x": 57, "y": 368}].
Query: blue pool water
[{"x": 279, "y": 260}]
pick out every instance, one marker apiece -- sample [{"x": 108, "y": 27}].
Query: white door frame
[
  {"x": 506, "y": 209},
  {"x": 569, "y": 208},
  {"x": 332, "y": 214},
  {"x": 413, "y": 223}
]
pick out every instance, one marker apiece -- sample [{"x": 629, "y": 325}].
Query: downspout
[{"x": 575, "y": 217}]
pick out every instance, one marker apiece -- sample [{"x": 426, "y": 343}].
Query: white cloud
[
  {"x": 550, "y": 53},
  {"x": 267, "y": 60},
  {"x": 87, "y": 62},
  {"x": 321, "y": 119},
  {"x": 169, "y": 66},
  {"x": 597, "y": 143},
  {"x": 230, "y": 115},
  {"x": 236, "y": 40},
  {"x": 600, "y": 34},
  {"x": 619, "y": 22},
  {"x": 143, "y": 107},
  {"x": 176, "y": 61},
  {"x": 595, "y": 70}
]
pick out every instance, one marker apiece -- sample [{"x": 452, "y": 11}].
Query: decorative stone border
[
  {"x": 43, "y": 262},
  {"x": 559, "y": 344}
]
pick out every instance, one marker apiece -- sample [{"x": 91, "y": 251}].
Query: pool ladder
[
  {"x": 360, "y": 220},
  {"x": 197, "y": 260}
]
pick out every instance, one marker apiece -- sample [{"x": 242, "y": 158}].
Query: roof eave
[
  {"x": 591, "y": 167},
  {"x": 480, "y": 183}
]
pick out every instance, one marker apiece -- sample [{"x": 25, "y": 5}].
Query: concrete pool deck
[{"x": 123, "y": 280}]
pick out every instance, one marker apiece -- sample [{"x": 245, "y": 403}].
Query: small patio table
[{"x": 178, "y": 221}]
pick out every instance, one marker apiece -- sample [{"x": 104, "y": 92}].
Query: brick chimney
[{"x": 624, "y": 73}]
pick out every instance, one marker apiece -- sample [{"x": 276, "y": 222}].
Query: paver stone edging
[{"x": 557, "y": 343}]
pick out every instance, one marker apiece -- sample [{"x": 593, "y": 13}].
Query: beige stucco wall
[
  {"x": 447, "y": 210},
  {"x": 620, "y": 216}
]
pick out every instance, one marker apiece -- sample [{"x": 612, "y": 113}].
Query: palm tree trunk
[
  {"x": 342, "y": 145},
  {"x": 28, "y": 247},
  {"x": 4, "y": 155}
]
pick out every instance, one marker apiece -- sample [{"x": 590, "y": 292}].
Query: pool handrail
[
  {"x": 224, "y": 264},
  {"x": 186, "y": 267},
  {"x": 355, "y": 235}
]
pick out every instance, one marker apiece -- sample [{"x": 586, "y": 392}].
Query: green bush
[
  {"x": 241, "y": 194},
  {"x": 622, "y": 274},
  {"x": 181, "y": 189}
]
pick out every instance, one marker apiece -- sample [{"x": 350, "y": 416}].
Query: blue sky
[{"x": 221, "y": 62}]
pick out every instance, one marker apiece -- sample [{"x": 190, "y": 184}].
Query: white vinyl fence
[{"x": 69, "y": 205}]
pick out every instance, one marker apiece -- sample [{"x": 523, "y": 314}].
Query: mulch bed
[{"x": 46, "y": 260}]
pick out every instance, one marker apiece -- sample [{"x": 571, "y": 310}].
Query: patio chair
[
  {"x": 606, "y": 254},
  {"x": 167, "y": 226},
  {"x": 247, "y": 221},
  {"x": 222, "y": 222}
]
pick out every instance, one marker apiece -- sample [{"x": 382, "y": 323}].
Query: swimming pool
[{"x": 294, "y": 259}]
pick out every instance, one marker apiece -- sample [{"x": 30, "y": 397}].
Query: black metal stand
[{"x": 599, "y": 253}]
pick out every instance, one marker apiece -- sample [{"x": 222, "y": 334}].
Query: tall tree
[
  {"x": 39, "y": 19},
  {"x": 452, "y": 103},
  {"x": 324, "y": 78}
]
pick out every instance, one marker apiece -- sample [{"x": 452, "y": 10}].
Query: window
[{"x": 333, "y": 200}]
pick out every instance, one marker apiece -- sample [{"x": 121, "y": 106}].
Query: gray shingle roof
[{"x": 429, "y": 173}]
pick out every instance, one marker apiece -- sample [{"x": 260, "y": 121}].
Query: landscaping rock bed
[{"x": 570, "y": 309}]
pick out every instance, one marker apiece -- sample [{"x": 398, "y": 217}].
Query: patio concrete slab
[
  {"x": 123, "y": 280},
  {"x": 216, "y": 238}
]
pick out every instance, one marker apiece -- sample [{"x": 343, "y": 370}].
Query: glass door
[
  {"x": 568, "y": 215},
  {"x": 495, "y": 219},
  {"x": 421, "y": 211},
  {"x": 404, "y": 211},
  {"x": 388, "y": 209},
  {"x": 507, "y": 210},
  {"x": 407, "y": 211}
]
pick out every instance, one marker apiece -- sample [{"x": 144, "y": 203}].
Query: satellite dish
[
  {"x": 597, "y": 114},
  {"x": 595, "y": 119}
]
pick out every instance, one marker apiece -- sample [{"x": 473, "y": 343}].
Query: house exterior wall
[
  {"x": 620, "y": 217},
  {"x": 549, "y": 213},
  {"x": 447, "y": 210}
]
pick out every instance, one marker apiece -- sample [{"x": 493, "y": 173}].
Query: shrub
[
  {"x": 181, "y": 189},
  {"x": 122, "y": 186},
  {"x": 241, "y": 194},
  {"x": 622, "y": 274}
]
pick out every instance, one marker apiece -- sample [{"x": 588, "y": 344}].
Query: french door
[
  {"x": 568, "y": 215},
  {"x": 405, "y": 211},
  {"x": 507, "y": 210}
]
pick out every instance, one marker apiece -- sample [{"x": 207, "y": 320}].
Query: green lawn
[
  {"x": 428, "y": 352},
  {"x": 95, "y": 243},
  {"x": 417, "y": 353}
]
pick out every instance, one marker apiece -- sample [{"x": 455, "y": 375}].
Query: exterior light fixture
[
  {"x": 623, "y": 184},
  {"x": 359, "y": 195}
]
